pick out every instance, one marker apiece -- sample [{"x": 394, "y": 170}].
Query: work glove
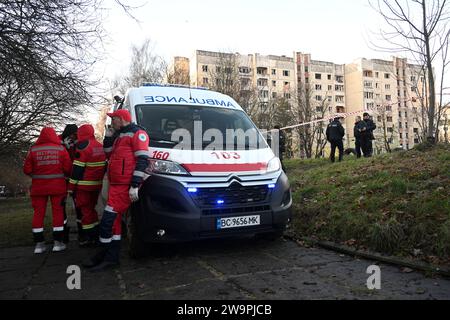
[{"x": 133, "y": 193}]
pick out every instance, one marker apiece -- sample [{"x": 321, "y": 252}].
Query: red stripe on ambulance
[{"x": 191, "y": 167}]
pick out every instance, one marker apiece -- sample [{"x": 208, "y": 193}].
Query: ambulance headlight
[
  {"x": 166, "y": 167},
  {"x": 274, "y": 165}
]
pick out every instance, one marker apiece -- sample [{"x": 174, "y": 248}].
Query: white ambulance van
[{"x": 211, "y": 174}]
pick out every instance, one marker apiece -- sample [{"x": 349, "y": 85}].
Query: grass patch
[
  {"x": 15, "y": 223},
  {"x": 393, "y": 203}
]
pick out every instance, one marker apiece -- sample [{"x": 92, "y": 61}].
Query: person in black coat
[
  {"x": 335, "y": 132},
  {"x": 367, "y": 136},
  {"x": 281, "y": 145},
  {"x": 357, "y": 129}
]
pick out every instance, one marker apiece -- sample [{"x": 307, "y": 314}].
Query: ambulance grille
[
  {"x": 231, "y": 196},
  {"x": 243, "y": 210}
]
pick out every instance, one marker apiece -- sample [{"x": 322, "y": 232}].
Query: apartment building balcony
[
  {"x": 262, "y": 71},
  {"x": 339, "y": 79},
  {"x": 245, "y": 71},
  {"x": 262, "y": 83},
  {"x": 368, "y": 73},
  {"x": 246, "y": 88}
]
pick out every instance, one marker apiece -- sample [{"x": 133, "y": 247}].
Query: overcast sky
[{"x": 332, "y": 30}]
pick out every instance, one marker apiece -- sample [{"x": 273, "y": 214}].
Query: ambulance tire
[{"x": 136, "y": 247}]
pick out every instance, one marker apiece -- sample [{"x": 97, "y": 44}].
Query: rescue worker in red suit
[
  {"x": 86, "y": 181},
  {"x": 48, "y": 163},
  {"x": 127, "y": 152},
  {"x": 69, "y": 140}
]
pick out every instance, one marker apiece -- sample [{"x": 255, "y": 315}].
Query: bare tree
[
  {"x": 282, "y": 112},
  {"x": 445, "y": 126},
  {"x": 307, "y": 109},
  {"x": 146, "y": 65},
  {"x": 320, "y": 139},
  {"x": 230, "y": 78},
  {"x": 421, "y": 114},
  {"x": 386, "y": 125},
  {"x": 415, "y": 27},
  {"x": 178, "y": 74},
  {"x": 225, "y": 75},
  {"x": 47, "y": 50},
  {"x": 260, "y": 101},
  {"x": 443, "y": 107}
]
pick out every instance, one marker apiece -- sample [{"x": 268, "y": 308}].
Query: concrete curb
[{"x": 444, "y": 272}]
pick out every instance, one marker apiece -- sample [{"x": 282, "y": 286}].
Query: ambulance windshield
[{"x": 199, "y": 128}]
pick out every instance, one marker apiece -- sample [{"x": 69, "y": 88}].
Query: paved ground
[{"x": 231, "y": 269}]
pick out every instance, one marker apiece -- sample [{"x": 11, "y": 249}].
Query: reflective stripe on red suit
[{"x": 87, "y": 175}]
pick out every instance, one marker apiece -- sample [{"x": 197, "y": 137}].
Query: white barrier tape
[
  {"x": 342, "y": 115},
  {"x": 338, "y": 115}
]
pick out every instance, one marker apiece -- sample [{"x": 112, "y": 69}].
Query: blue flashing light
[
  {"x": 220, "y": 202},
  {"x": 192, "y": 190},
  {"x": 272, "y": 186}
]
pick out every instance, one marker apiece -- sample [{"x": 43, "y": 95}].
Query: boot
[
  {"x": 113, "y": 253},
  {"x": 93, "y": 235},
  {"x": 111, "y": 258},
  {"x": 105, "y": 265},
  {"x": 40, "y": 248},
  {"x": 83, "y": 239},
  {"x": 97, "y": 258},
  {"x": 66, "y": 234},
  {"x": 80, "y": 231}
]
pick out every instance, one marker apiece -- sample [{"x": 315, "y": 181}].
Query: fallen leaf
[
  {"x": 350, "y": 242},
  {"x": 268, "y": 291},
  {"x": 360, "y": 200},
  {"x": 407, "y": 270}
]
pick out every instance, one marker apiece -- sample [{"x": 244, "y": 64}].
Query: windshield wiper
[{"x": 162, "y": 140}]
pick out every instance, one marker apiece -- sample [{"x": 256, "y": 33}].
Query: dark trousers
[
  {"x": 340, "y": 145},
  {"x": 358, "y": 147},
  {"x": 366, "y": 146},
  {"x": 280, "y": 156}
]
